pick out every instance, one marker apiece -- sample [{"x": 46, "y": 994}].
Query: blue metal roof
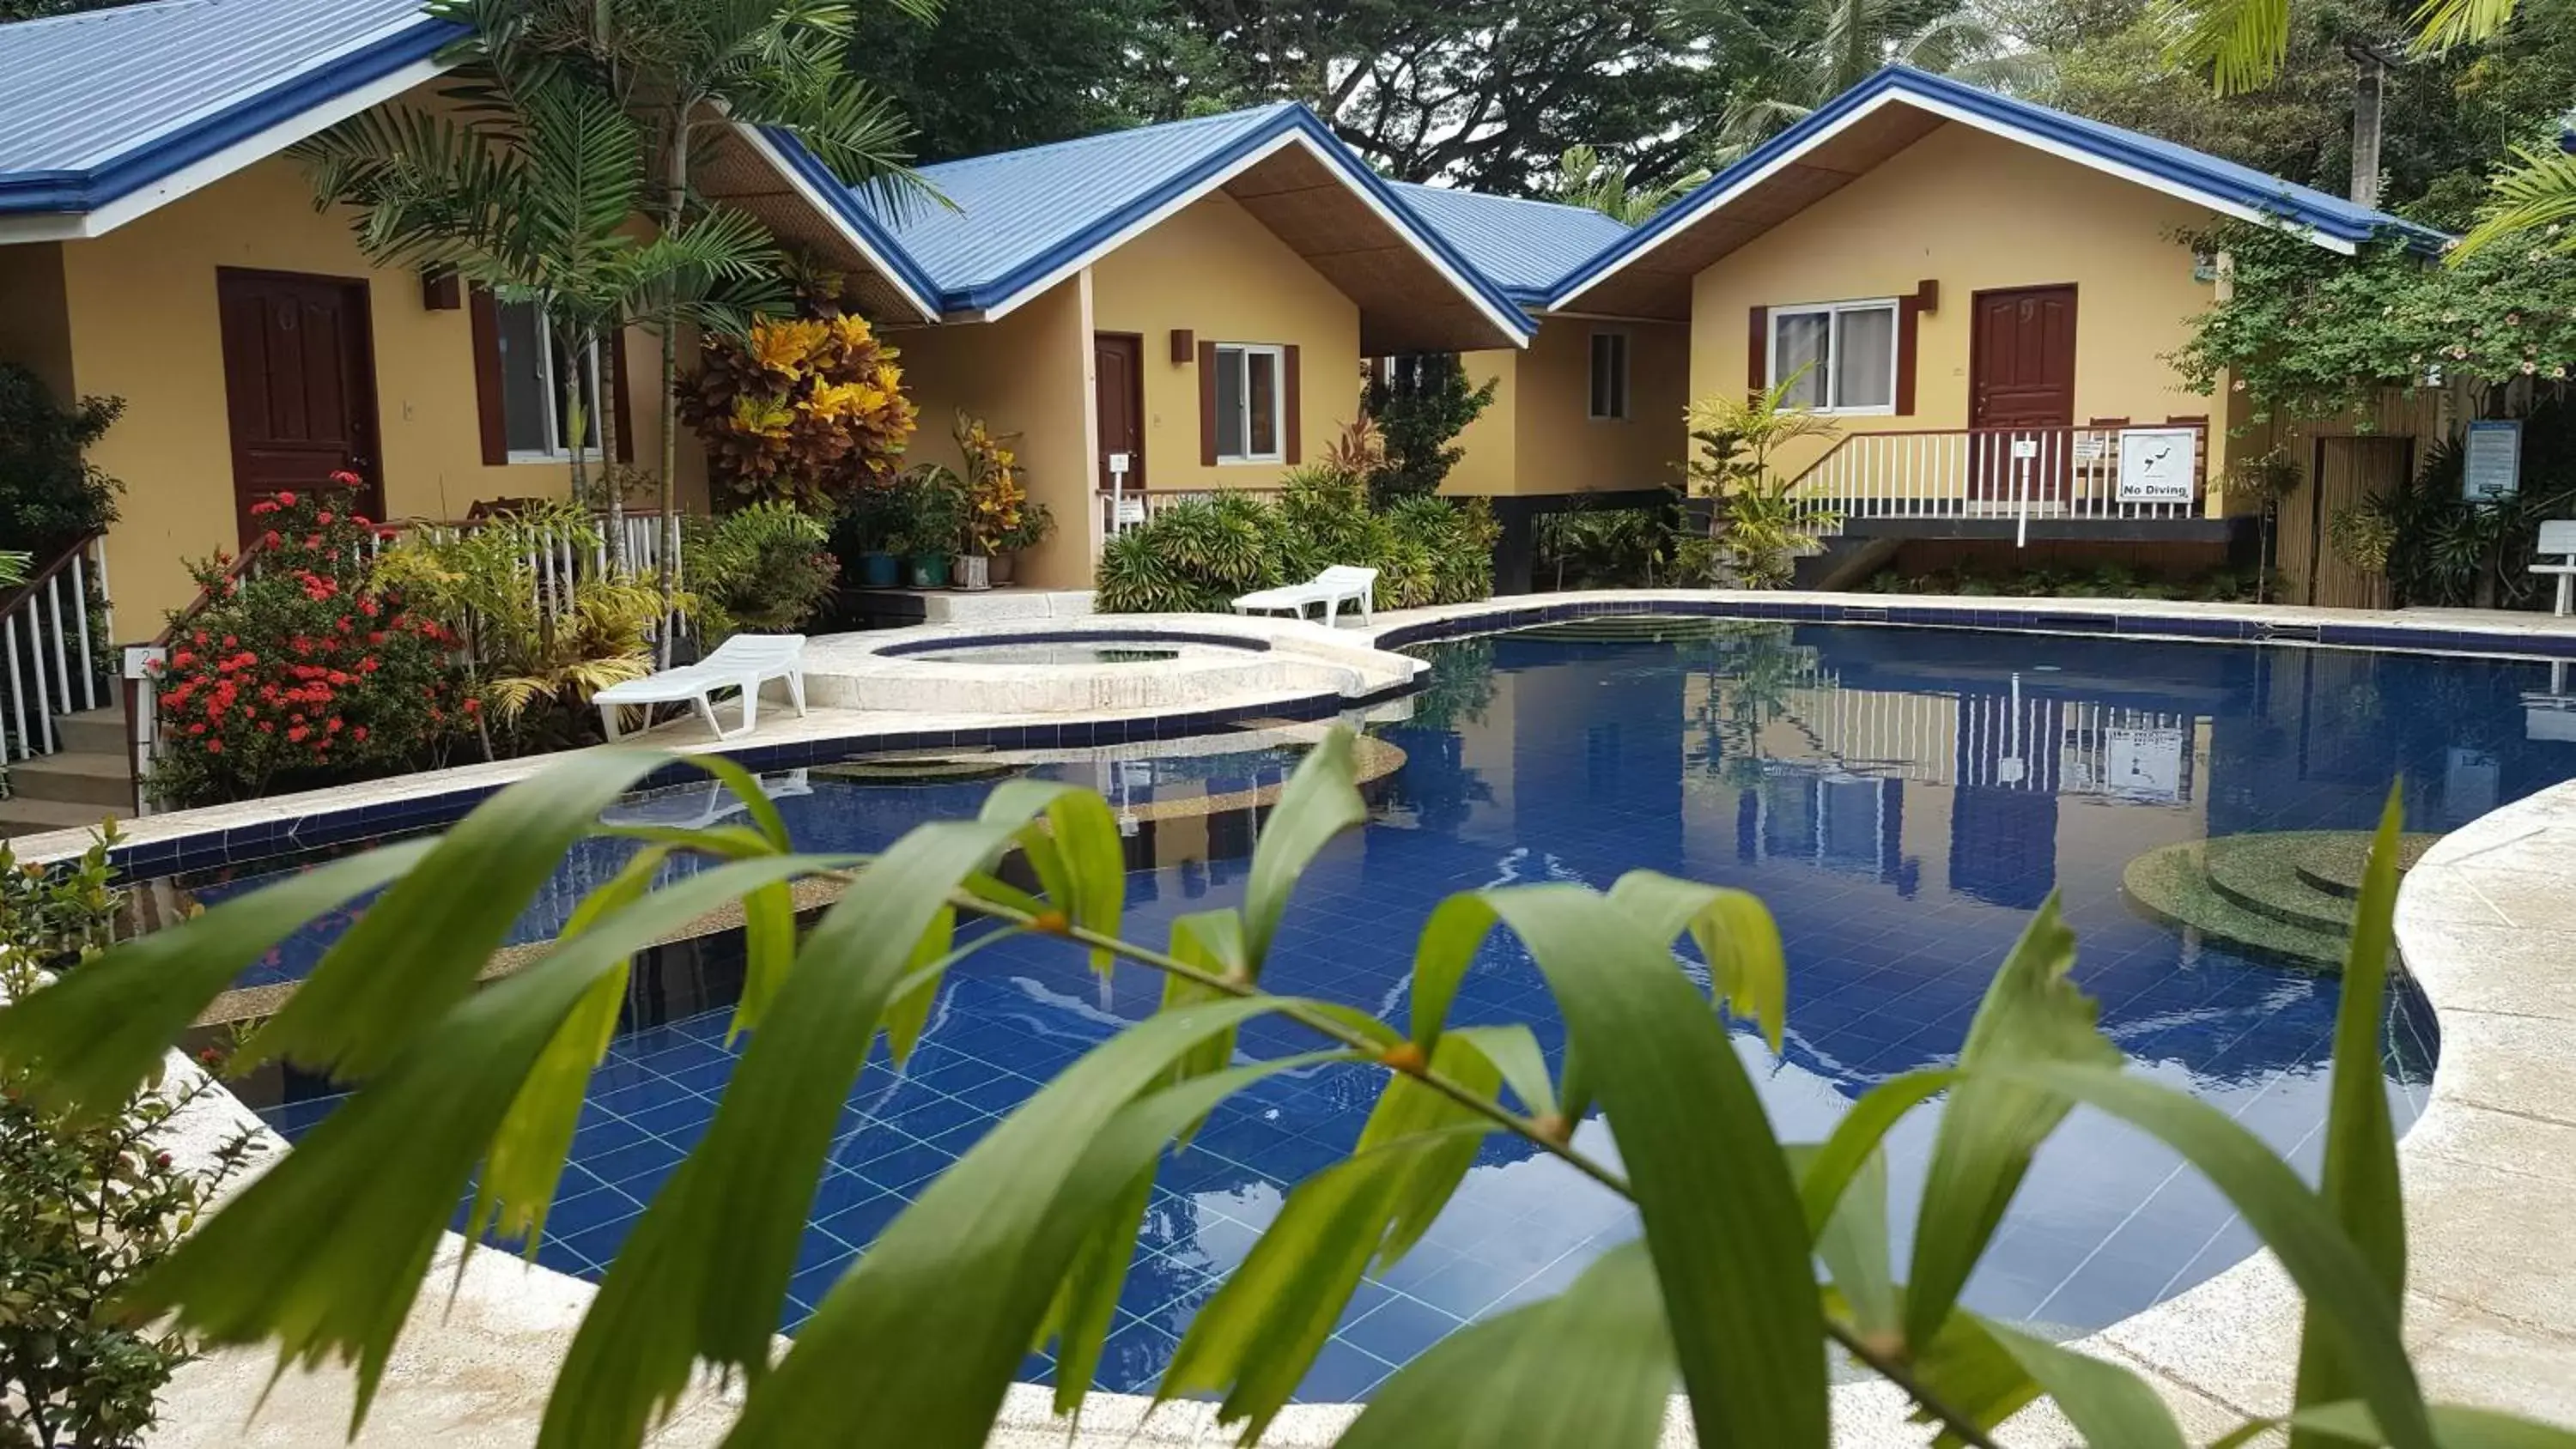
[
  {"x": 2221, "y": 182},
  {"x": 1019, "y": 217},
  {"x": 1526, "y": 247},
  {"x": 104, "y": 103}
]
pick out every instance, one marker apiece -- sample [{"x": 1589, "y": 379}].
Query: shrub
[
  {"x": 49, "y": 493},
  {"x": 1761, "y": 1267},
  {"x": 806, "y": 410},
  {"x": 304, "y": 672},
  {"x": 765, "y": 568},
  {"x": 993, "y": 493},
  {"x": 1758, "y": 529},
  {"x": 1420, "y": 411},
  {"x": 1197, "y": 555},
  {"x": 88, "y": 1203}
]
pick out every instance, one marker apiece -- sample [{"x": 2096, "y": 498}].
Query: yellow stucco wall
[
  {"x": 1218, "y": 272},
  {"x": 1976, "y": 212},
  {"x": 145, "y": 327},
  {"x": 1540, "y": 437},
  {"x": 1028, "y": 374}
]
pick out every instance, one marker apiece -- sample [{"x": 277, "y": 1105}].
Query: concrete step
[
  {"x": 22, "y": 816},
  {"x": 75, "y": 779},
  {"x": 93, "y": 731}
]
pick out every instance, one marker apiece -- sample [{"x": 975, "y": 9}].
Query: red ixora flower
[
  {"x": 345, "y": 478},
  {"x": 286, "y": 500},
  {"x": 214, "y": 747},
  {"x": 263, "y": 506}
]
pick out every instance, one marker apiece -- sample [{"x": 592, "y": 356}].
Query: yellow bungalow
[
  {"x": 1170, "y": 309},
  {"x": 1982, "y": 293}
]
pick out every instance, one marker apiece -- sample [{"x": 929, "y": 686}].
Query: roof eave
[{"x": 831, "y": 198}]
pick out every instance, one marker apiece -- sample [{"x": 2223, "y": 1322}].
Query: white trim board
[
  {"x": 1947, "y": 111},
  {"x": 1401, "y": 226}
]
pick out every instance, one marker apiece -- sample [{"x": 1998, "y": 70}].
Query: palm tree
[
  {"x": 680, "y": 67},
  {"x": 1585, "y": 177},
  {"x": 531, "y": 190},
  {"x": 1837, "y": 44}
]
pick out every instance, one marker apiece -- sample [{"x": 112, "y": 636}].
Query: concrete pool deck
[{"x": 2485, "y": 925}]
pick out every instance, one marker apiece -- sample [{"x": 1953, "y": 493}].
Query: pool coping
[{"x": 179, "y": 841}]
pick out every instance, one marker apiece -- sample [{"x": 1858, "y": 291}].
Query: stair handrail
[{"x": 35, "y": 612}]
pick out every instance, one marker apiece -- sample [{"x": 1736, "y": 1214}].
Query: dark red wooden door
[
  {"x": 1118, "y": 371},
  {"x": 2021, "y": 376},
  {"x": 299, "y": 385}
]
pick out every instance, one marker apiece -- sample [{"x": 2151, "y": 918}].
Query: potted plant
[
  {"x": 993, "y": 500},
  {"x": 869, "y": 520},
  {"x": 1036, "y": 525},
  {"x": 932, "y": 522}
]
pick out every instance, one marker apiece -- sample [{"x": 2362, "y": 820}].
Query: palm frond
[
  {"x": 2537, "y": 192},
  {"x": 2242, "y": 41},
  {"x": 2441, "y": 25}
]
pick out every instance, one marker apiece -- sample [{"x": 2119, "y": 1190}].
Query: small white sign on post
[
  {"x": 2157, "y": 464},
  {"x": 2025, "y": 447},
  {"x": 2145, "y": 764},
  {"x": 2493, "y": 467}
]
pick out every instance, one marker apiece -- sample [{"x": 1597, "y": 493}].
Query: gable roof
[
  {"x": 1526, "y": 247},
  {"x": 1899, "y": 105},
  {"x": 108, "y": 113},
  {"x": 1021, "y": 221}
]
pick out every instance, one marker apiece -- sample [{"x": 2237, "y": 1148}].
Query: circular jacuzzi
[{"x": 1131, "y": 664}]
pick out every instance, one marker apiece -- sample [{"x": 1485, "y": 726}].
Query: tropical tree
[
  {"x": 681, "y": 68},
  {"x": 473, "y": 1094},
  {"x": 531, "y": 187},
  {"x": 1585, "y": 177},
  {"x": 1826, "y": 47}
]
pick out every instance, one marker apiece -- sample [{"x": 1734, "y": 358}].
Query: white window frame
[
  {"x": 1626, "y": 352},
  {"x": 1238, "y": 356},
  {"x": 1775, "y": 373},
  {"x": 551, "y": 398}
]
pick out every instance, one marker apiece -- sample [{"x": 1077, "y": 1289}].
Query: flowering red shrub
[{"x": 300, "y": 673}]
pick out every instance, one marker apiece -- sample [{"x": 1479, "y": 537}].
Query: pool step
[
  {"x": 2287, "y": 895},
  {"x": 2260, "y": 873}
]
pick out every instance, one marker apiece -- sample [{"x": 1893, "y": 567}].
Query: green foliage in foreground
[{"x": 1025, "y": 1239}]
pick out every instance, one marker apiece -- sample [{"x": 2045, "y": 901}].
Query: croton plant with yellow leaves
[
  {"x": 804, "y": 409},
  {"x": 994, "y": 493}
]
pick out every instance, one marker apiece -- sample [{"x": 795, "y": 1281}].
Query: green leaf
[
  {"x": 1212, "y": 941},
  {"x": 1857, "y": 1136},
  {"x": 705, "y": 1269},
  {"x": 1408, "y": 1109},
  {"x": 1441, "y": 955},
  {"x": 2359, "y": 1184},
  {"x": 1074, "y": 846},
  {"x": 2031, "y": 1013},
  {"x": 1514, "y": 1051},
  {"x": 918, "y": 1344},
  {"x": 1722, "y": 1217},
  {"x": 932, "y": 955},
  {"x": 1735, "y": 933},
  {"x": 2455, "y": 1426},
  {"x": 419, "y": 950},
  {"x": 2112, "y": 1407},
  {"x": 1086, "y": 1305},
  {"x": 1255, "y": 1339},
  {"x": 1319, "y": 802},
  {"x": 1967, "y": 1369},
  {"x": 769, "y": 953},
  {"x": 1853, "y": 1246},
  {"x": 746, "y": 788},
  {"x": 1589, "y": 1369},
  {"x": 325, "y": 1251},
  {"x": 91, "y": 1039},
  {"x": 2342, "y": 1292}
]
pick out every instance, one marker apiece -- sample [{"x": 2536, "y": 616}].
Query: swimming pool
[{"x": 1902, "y": 798}]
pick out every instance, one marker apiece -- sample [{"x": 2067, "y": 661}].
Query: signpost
[
  {"x": 2493, "y": 468},
  {"x": 2156, "y": 465}
]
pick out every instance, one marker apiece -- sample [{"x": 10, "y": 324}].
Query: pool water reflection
[{"x": 1903, "y": 799}]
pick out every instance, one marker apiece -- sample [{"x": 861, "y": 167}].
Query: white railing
[
  {"x": 558, "y": 560},
  {"x": 1124, "y": 508},
  {"x": 2019, "y": 474},
  {"x": 55, "y": 666},
  {"x": 2069, "y": 747}
]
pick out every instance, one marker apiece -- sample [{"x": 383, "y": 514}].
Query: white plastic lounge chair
[
  {"x": 744, "y": 662},
  {"x": 2558, "y": 545},
  {"x": 1341, "y": 584}
]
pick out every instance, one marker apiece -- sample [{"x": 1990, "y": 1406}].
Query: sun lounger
[
  {"x": 1341, "y": 584},
  {"x": 744, "y": 662},
  {"x": 2558, "y": 545}
]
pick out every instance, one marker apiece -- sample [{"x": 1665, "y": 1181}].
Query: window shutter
[
  {"x": 1909, "y": 313},
  {"x": 486, "y": 315},
  {"x": 1290, "y": 415},
  {"x": 614, "y": 344},
  {"x": 1757, "y": 355},
  {"x": 1207, "y": 404}
]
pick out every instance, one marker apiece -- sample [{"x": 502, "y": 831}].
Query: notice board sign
[
  {"x": 2157, "y": 464},
  {"x": 2494, "y": 463}
]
